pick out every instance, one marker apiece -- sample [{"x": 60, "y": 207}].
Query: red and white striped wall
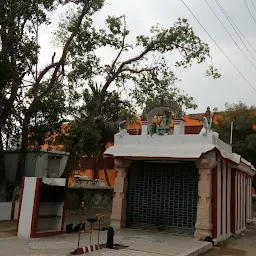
[
  {"x": 221, "y": 198},
  {"x": 231, "y": 200},
  {"x": 242, "y": 207}
]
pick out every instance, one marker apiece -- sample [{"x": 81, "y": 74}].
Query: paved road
[{"x": 243, "y": 245}]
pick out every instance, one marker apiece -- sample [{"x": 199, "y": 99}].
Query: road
[{"x": 242, "y": 245}]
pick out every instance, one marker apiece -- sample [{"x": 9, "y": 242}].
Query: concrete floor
[
  {"x": 139, "y": 243},
  {"x": 7, "y": 228},
  {"x": 242, "y": 245}
]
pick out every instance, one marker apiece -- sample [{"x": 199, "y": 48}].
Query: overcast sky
[{"x": 142, "y": 14}]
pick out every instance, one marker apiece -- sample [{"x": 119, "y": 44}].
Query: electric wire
[
  {"x": 247, "y": 81},
  {"x": 250, "y": 11},
  {"x": 224, "y": 27},
  {"x": 253, "y": 5},
  {"x": 236, "y": 29}
]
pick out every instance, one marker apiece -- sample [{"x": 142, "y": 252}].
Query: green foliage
[
  {"x": 244, "y": 133},
  {"x": 47, "y": 118},
  {"x": 149, "y": 81}
]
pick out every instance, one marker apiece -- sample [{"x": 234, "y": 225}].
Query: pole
[
  {"x": 231, "y": 133},
  {"x": 91, "y": 234},
  {"x": 79, "y": 236},
  {"x": 99, "y": 233}
]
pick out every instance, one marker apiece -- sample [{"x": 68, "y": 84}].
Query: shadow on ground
[
  {"x": 239, "y": 245},
  {"x": 225, "y": 251}
]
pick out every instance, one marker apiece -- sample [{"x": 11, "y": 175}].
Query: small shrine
[{"x": 182, "y": 183}]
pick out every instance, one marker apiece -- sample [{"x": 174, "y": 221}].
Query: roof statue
[
  {"x": 207, "y": 122},
  {"x": 168, "y": 110},
  {"x": 122, "y": 129},
  {"x": 122, "y": 125}
]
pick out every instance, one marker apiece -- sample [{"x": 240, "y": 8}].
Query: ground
[
  {"x": 241, "y": 245},
  {"x": 134, "y": 243}
]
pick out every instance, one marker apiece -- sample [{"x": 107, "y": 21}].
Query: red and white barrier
[
  {"x": 87, "y": 249},
  {"x": 37, "y": 218}
]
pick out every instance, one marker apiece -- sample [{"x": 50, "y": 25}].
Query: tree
[
  {"x": 91, "y": 137},
  {"x": 145, "y": 75},
  {"x": 18, "y": 57},
  {"x": 48, "y": 119},
  {"x": 244, "y": 133}
]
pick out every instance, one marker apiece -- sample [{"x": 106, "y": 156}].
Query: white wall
[
  {"x": 5, "y": 210},
  {"x": 41, "y": 165},
  {"x": 63, "y": 163},
  {"x": 16, "y": 211}
]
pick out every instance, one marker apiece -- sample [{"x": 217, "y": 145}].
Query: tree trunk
[
  {"x": 70, "y": 166},
  {"x": 96, "y": 168},
  {"x": 2, "y": 173},
  {"x": 106, "y": 173},
  {"x": 23, "y": 151}
]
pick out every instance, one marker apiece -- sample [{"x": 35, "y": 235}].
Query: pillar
[
  {"x": 118, "y": 217},
  {"x": 204, "y": 205},
  {"x": 179, "y": 126}
]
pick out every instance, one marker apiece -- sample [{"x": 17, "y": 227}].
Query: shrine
[{"x": 182, "y": 183}]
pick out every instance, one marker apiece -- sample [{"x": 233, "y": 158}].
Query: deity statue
[
  {"x": 207, "y": 121},
  {"x": 122, "y": 125}
]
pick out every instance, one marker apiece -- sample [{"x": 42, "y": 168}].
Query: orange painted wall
[{"x": 132, "y": 126}]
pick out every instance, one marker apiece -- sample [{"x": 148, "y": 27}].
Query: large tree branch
[
  {"x": 62, "y": 59},
  {"x": 122, "y": 47},
  {"x": 122, "y": 65},
  {"x": 36, "y": 85},
  {"x": 138, "y": 71},
  {"x": 137, "y": 58}
]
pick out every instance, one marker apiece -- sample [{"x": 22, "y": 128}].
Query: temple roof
[{"x": 175, "y": 147}]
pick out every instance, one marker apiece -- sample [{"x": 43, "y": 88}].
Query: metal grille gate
[{"x": 163, "y": 195}]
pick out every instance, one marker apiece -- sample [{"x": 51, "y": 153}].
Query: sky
[{"x": 141, "y": 15}]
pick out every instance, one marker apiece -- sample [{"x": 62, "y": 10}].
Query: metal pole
[
  {"x": 231, "y": 132},
  {"x": 79, "y": 236},
  {"x": 91, "y": 234},
  {"x": 99, "y": 233}
]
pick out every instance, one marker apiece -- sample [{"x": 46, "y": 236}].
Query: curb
[
  {"x": 197, "y": 251},
  {"x": 86, "y": 249}
]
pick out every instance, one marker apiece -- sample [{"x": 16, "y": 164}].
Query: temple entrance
[{"x": 162, "y": 196}]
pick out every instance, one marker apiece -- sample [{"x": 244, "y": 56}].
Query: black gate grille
[{"x": 163, "y": 195}]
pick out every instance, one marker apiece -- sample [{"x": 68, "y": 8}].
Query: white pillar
[
  {"x": 239, "y": 202},
  {"x": 229, "y": 198},
  {"x": 144, "y": 129},
  {"x": 247, "y": 199},
  {"x": 219, "y": 196},
  {"x": 179, "y": 126},
  {"x": 224, "y": 198}
]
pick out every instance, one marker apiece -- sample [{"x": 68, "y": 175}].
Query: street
[{"x": 242, "y": 245}]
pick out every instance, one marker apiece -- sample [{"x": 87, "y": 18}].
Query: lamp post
[{"x": 231, "y": 131}]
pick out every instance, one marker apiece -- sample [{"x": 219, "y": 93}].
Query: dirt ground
[
  {"x": 242, "y": 245},
  {"x": 7, "y": 228}
]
